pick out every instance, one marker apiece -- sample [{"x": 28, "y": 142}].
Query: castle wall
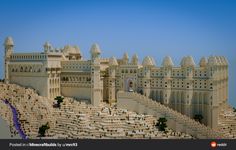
[
  {"x": 76, "y": 92},
  {"x": 39, "y": 83},
  {"x": 143, "y": 105}
]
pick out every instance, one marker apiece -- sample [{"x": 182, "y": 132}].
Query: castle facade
[{"x": 189, "y": 88}]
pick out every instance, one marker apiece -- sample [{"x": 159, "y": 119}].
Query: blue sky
[{"x": 157, "y": 28}]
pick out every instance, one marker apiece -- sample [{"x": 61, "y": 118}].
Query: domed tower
[
  {"x": 167, "y": 65},
  {"x": 203, "y": 62},
  {"x": 95, "y": 51},
  {"x": 187, "y": 67},
  {"x": 8, "y": 44},
  {"x": 111, "y": 79},
  {"x": 96, "y": 96},
  {"x": 147, "y": 65},
  {"x": 213, "y": 94}
]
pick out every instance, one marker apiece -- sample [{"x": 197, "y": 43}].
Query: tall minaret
[
  {"x": 188, "y": 67},
  {"x": 111, "y": 79},
  {"x": 96, "y": 96},
  {"x": 167, "y": 66},
  {"x": 8, "y": 44},
  {"x": 147, "y": 65}
]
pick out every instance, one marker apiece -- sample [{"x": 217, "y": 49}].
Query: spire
[
  {"x": 113, "y": 61},
  {"x": 95, "y": 49},
  {"x": 134, "y": 60},
  {"x": 9, "y": 41},
  {"x": 125, "y": 58},
  {"x": 47, "y": 47},
  {"x": 203, "y": 62},
  {"x": 147, "y": 61}
]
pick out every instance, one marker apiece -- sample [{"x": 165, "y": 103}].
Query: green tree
[
  {"x": 198, "y": 117},
  {"x": 234, "y": 109},
  {"x": 161, "y": 124},
  {"x": 43, "y": 129},
  {"x": 59, "y": 100}
]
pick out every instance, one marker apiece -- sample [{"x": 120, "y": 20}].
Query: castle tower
[
  {"x": 134, "y": 60},
  {"x": 187, "y": 65},
  {"x": 112, "y": 79},
  {"x": 47, "y": 47},
  {"x": 213, "y": 98},
  {"x": 167, "y": 65},
  {"x": 125, "y": 59},
  {"x": 96, "y": 96},
  {"x": 147, "y": 65},
  {"x": 8, "y": 44}
]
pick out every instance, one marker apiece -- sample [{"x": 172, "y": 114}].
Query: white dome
[
  {"x": 203, "y": 62},
  {"x": 77, "y": 49},
  {"x": 224, "y": 60},
  {"x": 47, "y": 44},
  {"x": 187, "y": 62},
  {"x": 212, "y": 60},
  {"x": 113, "y": 61},
  {"x": 167, "y": 62},
  {"x": 69, "y": 49},
  {"x": 147, "y": 61},
  {"x": 8, "y": 41},
  {"x": 95, "y": 49},
  {"x": 190, "y": 61}
]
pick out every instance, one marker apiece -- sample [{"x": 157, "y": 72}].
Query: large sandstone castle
[{"x": 188, "y": 89}]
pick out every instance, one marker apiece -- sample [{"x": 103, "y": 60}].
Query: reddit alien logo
[{"x": 213, "y": 144}]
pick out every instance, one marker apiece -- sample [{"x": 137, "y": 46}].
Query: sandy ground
[{"x": 5, "y": 131}]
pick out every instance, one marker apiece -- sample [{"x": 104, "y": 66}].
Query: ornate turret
[
  {"x": 134, "y": 60},
  {"x": 167, "y": 62},
  {"x": 95, "y": 51},
  {"x": 111, "y": 79},
  {"x": 8, "y": 44},
  {"x": 47, "y": 47},
  {"x": 96, "y": 96},
  {"x": 147, "y": 61},
  {"x": 212, "y": 61},
  {"x": 113, "y": 61},
  {"x": 72, "y": 52},
  {"x": 203, "y": 62},
  {"x": 125, "y": 59}
]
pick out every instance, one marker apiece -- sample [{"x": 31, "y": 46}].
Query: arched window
[{"x": 30, "y": 69}]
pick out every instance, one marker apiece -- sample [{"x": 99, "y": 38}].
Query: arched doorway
[{"x": 129, "y": 85}]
